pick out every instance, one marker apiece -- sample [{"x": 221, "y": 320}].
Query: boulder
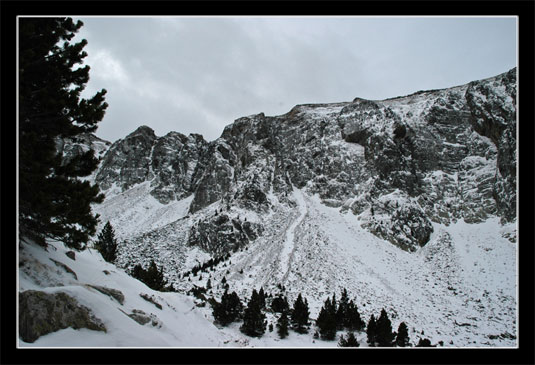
[
  {"x": 41, "y": 313},
  {"x": 112, "y": 293},
  {"x": 71, "y": 255}
]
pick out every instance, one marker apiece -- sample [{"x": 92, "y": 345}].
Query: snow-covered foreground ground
[
  {"x": 460, "y": 289},
  {"x": 180, "y": 323}
]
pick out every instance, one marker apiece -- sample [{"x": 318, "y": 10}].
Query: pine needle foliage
[
  {"x": 107, "y": 244},
  {"x": 152, "y": 276},
  {"x": 53, "y": 202},
  {"x": 349, "y": 341},
  {"x": 300, "y": 315}
]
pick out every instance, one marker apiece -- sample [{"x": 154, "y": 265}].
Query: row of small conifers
[{"x": 334, "y": 316}]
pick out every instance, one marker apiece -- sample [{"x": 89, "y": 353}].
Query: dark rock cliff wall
[{"x": 398, "y": 164}]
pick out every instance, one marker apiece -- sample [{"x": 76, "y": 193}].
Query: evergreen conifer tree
[
  {"x": 402, "y": 337},
  {"x": 353, "y": 320},
  {"x": 326, "y": 321},
  {"x": 280, "y": 304},
  {"x": 254, "y": 320},
  {"x": 350, "y": 341},
  {"x": 229, "y": 310},
  {"x": 342, "y": 311},
  {"x": 282, "y": 325},
  {"x": 262, "y": 298},
  {"x": 53, "y": 202},
  {"x": 371, "y": 331},
  {"x": 107, "y": 244},
  {"x": 424, "y": 342},
  {"x": 384, "y": 335},
  {"x": 153, "y": 277},
  {"x": 300, "y": 314}
]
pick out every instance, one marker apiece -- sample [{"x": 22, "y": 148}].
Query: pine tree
[
  {"x": 371, "y": 331},
  {"x": 229, "y": 310},
  {"x": 342, "y": 311},
  {"x": 282, "y": 325},
  {"x": 53, "y": 202},
  {"x": 155, "y": 278},
  {"x": 402, "y": 337},
  {"x": 425, "y": 342},
  {"x": 254, "y": 320},
  {"x": 152, "y": 277},
  {"x": 326, "y": 321},
  {"x": 107, "y": 244},
  {"x": 279, "y": 304},
  {"x": 384, "y": 335},
  {"x": 351, "y": 341},
  {"x": 353, "y": 320},
  {"x": 262, "y": 298},
  {"x": 300, "y": 314}
]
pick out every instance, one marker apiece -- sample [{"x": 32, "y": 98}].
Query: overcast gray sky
[{"x": 199, "y": 74}]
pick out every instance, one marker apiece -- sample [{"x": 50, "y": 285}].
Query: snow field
[{"x": 460, "y": 288}]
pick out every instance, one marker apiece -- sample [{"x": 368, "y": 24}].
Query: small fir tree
[
  {"x": 254, "y": 320},
  {"x": 371, "y": 331},
  {"x": 300, "y": 314},
  {"x": 402, "y": 337},
  {"x": 424, "y": 342},
  {"x": 153, "y": 277},
  {"x": 350, "y": 341},
  {"x": 229, "y": 310},
  {"x": 326, "y": 321},
  {"x": 282, "y": 325},
  {"x": 353, "y": 320},
  {"x": 107, "y": 244},
  {"x": 384, "y": 335},
  {"x": 279, "y": 304},
  {"x": 262, "y": 298},
  {"x": 342, "y": 311}
]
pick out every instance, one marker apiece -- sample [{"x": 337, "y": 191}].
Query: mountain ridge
[{"x": 392, "y": 141}]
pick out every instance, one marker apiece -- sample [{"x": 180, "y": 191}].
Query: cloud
[
  {"x": 107, "y": 67},
  {"x": 198, "y": 74}
]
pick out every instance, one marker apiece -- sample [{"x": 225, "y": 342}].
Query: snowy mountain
[{"x": 408, "y": 203}]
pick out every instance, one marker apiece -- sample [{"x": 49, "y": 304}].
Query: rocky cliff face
[
  {"x": 168, "y": 162},
  {"x": 80, "y": 144},
  {"x": 397, "y": 164}
]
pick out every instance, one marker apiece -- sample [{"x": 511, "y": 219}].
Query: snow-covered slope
[
  {"x": 459, "y": 289},
  {"x": 178, "y": 323}
]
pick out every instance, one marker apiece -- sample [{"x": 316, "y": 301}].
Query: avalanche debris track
[{"x": 287, "y": 253}]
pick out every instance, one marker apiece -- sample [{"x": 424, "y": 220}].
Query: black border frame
[{"x": 524, "y": 10}]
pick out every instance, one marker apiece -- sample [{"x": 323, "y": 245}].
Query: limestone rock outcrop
[{"x": 41, "y": 313}]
